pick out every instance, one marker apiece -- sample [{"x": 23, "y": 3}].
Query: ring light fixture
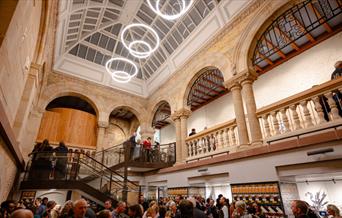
[
  {"x": 134, "y": 52},
  {"x": 156, "y": 9},
  {"x": 119, "y": 75}
]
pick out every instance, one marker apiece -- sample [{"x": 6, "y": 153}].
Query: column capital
[
  {"x": 248, "y": 76},
  {"x": 184, "y": 113},
  {"x": 232, "y": 84},
  {"x": 102, "y": 124},
  {"x": 181, "y": 113},
  {"x": 174, "y": 117}
]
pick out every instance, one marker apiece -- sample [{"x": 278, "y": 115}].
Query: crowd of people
[{"x": 178, "y": 207}]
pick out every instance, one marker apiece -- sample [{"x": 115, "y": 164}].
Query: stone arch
[
  {"x": 191, "y": 82},
  {"x": 241, "y": 50},
  {"x": 57, "y": 90},
  {"x": 131, "y": 108},
  {"x": 212, "y": 59},
  {"x": 74, "y": 94},
  {"x": 155, "y": 108}
]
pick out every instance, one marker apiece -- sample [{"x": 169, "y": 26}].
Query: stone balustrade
[
  {"x": 301, "y": 112},
  {"x": 219, "y": 139}
]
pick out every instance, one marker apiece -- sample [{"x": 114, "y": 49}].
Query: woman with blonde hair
[
  {"x": 66, "y": 210},
  {"x": 333, "y": 211}
]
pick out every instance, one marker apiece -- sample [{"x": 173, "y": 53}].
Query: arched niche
[{"x": 123, "y": 121}]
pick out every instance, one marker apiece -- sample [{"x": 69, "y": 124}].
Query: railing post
[
  {"x": 319, "y": 109},
  {"x": 307, "y": 115},
  {"x": 295, "y": 117},
  {"x": 110, "y": 183},
  {"x": 266, "y": 125},
  {"x": 333, "y": 106},
  {"x": 275, "y": 122}
]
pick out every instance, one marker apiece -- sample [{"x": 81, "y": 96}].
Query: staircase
[
  {"x": 101, "y": 176},
  {"x": 75, "y": 171}
]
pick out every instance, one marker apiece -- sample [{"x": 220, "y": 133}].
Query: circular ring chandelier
[
  {"x": 120, "y": 75},
  {"x": 135, "y": 43},
  {"x": 156, "y": 9}
]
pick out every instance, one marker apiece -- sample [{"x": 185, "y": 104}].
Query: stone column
[
  {"x": 248, "y": 95},
  {"x": 235, "y": 88},
  {"x": 184, "y": 114},
  {"x": 101, "y": 129},
  {"x": 147, "y": 132},
  {"x": 176, "y": 119}
]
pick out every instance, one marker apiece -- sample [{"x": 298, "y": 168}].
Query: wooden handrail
[{"x": 309, "y": 93}]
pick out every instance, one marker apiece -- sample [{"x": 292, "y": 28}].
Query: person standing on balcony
[
  {"x": 338, "y": 70},
  {"x": 337, "y": 96},
  {"x": 131, "y": 146},
  {"x": 147, "y": 149},
  {"x": 193, "y": 132},
  {"x": 61, "y": 152}
]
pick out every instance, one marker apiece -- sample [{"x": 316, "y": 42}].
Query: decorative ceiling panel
[
  {"x": 89, "y": 34},
  {"x": 93, "y": 30}
]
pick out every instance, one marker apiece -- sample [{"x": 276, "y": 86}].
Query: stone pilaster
[
  {"x": 176, "y": 119},
  {"x": 246, "y": 81},
  {"x": 234, "y": 86},
  {"x": 101, "y": 129},
  {"x": 184, "y": 114},
  {"x": 27, "y": 98},
  {"x": 147, "y": 132}
]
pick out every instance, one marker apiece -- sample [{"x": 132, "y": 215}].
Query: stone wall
[
  {"x": 8, "y": 171},
  {"x": 16, "y": 53}
]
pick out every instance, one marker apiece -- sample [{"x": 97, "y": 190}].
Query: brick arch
[
  {"x": 241, "y": 51},
  {"x": 214, "y": 60}
]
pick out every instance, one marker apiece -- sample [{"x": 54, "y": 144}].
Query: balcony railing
[
  {"x": 213, "y": 141},
  {"x": 163, "y": 154},
  {"x": 311, "y": 110}
]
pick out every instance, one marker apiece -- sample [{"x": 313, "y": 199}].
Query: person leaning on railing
[
  {"x": 337, "y": 96},
  {"x": 147, "y": 149}
]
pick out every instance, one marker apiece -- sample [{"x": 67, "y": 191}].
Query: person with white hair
[
  {"x": 241, "y": 210},
  {"x": 80, "y": 208},
  {"x": 333, "y": 211},
  {"x": 197, "y": 212}
]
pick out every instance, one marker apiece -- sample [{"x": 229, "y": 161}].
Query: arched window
[
  {"x": 206, "y": 88},
  {"x": 295, "y": 30},
  {"x": 161, "y": 116}
]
